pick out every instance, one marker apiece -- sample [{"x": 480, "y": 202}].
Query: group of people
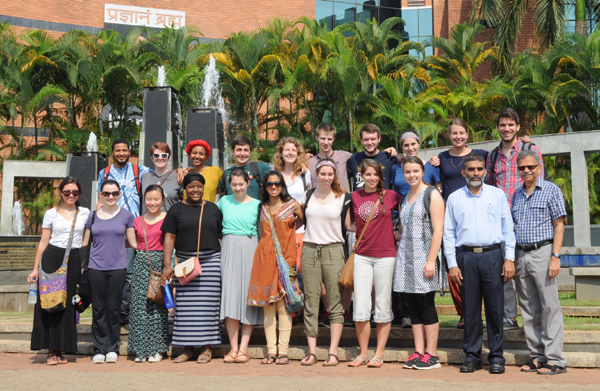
[{"x": 281, "y": 236}]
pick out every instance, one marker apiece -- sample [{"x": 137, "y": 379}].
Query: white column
[{"x": 581, "y": 199}]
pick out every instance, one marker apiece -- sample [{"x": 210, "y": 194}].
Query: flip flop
[
  {"x": 279, "y": 362},
  {"x": 183, "y": 357},
  {"x": 328, "y": 363},
  {"x": 204, "y": 357},
  {"x": 270, "y": 360},
  {"x": 309, "y": 363}
]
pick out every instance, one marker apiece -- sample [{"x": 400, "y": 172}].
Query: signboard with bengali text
[{"x": 143, "y": 16}]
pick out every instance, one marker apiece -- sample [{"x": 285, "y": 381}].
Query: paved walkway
[{"x": 27, "y": 372}]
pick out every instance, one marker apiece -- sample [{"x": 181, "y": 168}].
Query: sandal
[
  {"x": 230, "y": 354},
  {"x": 328, "y": 363},
  {"x": 358, "y": 361},
  {"x": 205, "y": 356},
  {"x": 532, "y": 367},
  {"x": 269, "y": 360},
  {"x": 311, "y": 362},
  {"x": 554, "y": 369},
  {"x": 461, "y": 323},
  {"x": 241, "y": 358},
  {"x": 279, "y": 362},
  {"x": 376, "y": 362},
  {"x": 51, "y": 359},
  {"x": 183, "y": 357},
  {"x": 61, "y": 359}
]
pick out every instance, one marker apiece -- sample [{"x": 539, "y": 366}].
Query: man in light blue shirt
[{"x": 477, "y": 222}]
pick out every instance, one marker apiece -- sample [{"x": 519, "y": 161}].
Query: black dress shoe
[
  {"x": 496, "y": 368},
  {"x": 469, "y": 367}
]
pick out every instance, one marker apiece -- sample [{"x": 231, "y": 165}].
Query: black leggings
[{"x": 422, "y": 308}]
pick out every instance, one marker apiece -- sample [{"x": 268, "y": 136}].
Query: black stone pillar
[
  {"x": 207, "y": 125},
  {"x": 85, "y": 166}
]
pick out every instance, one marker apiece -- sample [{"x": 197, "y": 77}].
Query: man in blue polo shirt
[
  {"x": 476, "y": 224},
  {"x": 538, "y": 210}
]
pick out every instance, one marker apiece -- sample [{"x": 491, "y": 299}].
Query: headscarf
[
  {"x": 409, "y": 134},
  {"x": 193, "y": 177},
  {"x": 197, "y": 143}
]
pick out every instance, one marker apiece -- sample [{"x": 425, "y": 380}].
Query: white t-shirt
[
  {"x": 61, "y": 227},
  {"x": 296, "y": 190},
  {"x": 323, "y": 222}
]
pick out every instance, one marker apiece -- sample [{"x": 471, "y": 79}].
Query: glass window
[
  {"x": 411, "y": 17},
  {"x": 391, "y": 3},
  {"x": 425, "y": 21},
  {"x": 344, "y": 13},
  {"x": 324, "y": 11},
  {"x": 364, "y": 13}
]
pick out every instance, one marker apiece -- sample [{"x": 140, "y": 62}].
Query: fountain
[
  {"x": 160, "y": 80},
  {"x": 211, "y": 93},
  {"x": 18, "y": 226},
  {"x": 92, "y": 144}
]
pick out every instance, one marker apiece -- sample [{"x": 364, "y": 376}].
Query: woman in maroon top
[
  {"x": 148, "y": 322},
  {"x": 374, "y": 260}
]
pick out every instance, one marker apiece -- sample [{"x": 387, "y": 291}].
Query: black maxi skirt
[{"x": 57, "y": 331}]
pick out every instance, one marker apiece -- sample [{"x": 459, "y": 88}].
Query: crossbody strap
[
  {"x": 146, "y": 243},
  {"x": 199, "y": 230},
  {"x": 159, "y": 183},
  {"x": 70, "y": 243},
  {"x": 366, "y": 225}
]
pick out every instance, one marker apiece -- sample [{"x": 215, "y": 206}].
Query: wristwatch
[
  {"x": 511, "y": 259},
  {"x": 556, "y": 255}
]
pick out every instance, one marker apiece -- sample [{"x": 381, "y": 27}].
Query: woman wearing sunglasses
[
  {"x": 162, "y": 176},
  {"x": 108, "y": 227},
  {"x": 198, "y": 152},
  {"x": 280, "y": 210},
  {"x": 57, "y": 331}
]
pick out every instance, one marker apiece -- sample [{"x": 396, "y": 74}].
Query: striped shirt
[
  {"x": 507, "y": 175},
  {"x": 534, "y": 215}
]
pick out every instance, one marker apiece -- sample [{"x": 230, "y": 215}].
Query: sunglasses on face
[
  {"x": 160, "y": 155},
  {"x": 109, "y": 193},
  {"x": 276, "y": 184},
  {"x": 67, "y": 193},
  {"x": 530, "y": 168}
]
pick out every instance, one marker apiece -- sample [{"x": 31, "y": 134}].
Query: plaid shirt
[
  {"x": 507, "y": 175},
  {"x": 534, "y": 215}
]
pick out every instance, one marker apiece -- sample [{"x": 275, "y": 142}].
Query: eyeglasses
[
  {"x": 160, "y": 155},
  {"x": 530, "y": 168},
  {"x": 109, "y": 193},
  {"x": 276, "y": 184},
  {"x": 67, "y": 193}
]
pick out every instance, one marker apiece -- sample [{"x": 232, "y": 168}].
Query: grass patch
[
  {"x": 570, "y": 322},
  {"x": 566, "y": 299}
]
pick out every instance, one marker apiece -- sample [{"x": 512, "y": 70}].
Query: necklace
[{"x": 459, "y": 164}]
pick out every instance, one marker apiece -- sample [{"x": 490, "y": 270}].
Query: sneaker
[
  {"x": 415, "y": 357},
  {"x": 324, "y": 321},
  {"x": 405, "y": 323},
  {"x": 99, "y": 359},
  {"x": 427, "y": 361},
  {"x": 156, "y": 358},
  {"x": 348, "y": 322},
  {"x": 510, "y": 324},
  {"x": 140, "y": 360},
  {"x": 112, "y": 357}
]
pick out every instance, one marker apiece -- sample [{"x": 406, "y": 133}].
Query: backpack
[
  {"x": 136, "y": 175},
  {"x": 494, "y": 156},
  {"x": 347, "y": 201},
  {"x": 394, "y": 168}
]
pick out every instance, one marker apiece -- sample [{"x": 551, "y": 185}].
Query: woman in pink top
[{"x": 148, "y": 322}]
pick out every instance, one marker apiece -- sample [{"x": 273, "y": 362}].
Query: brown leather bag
[
  {"x": 155, "y": 284},
  {"x": 347, "y": 277}
]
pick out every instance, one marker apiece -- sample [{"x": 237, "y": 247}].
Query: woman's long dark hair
[
  {"x": 68, "y": 180},
  {"x": 264, "y": 195},
  {"x": 374, "y": 164}
]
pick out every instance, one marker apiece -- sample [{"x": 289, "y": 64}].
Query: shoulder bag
[
  {"x": 190, "y": 269},
  {"x": 83, "y": 293},
  {"x": 53, "y": 286},
  {"x": 154, "y": 292},
  {"x": 347, "y": 277},
  {"x": 289, "y": 277}
]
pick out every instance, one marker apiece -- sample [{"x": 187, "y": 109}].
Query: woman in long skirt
[
  {"x": 148, "y": 321},
  {"x": 240, "y": 238},
  {"x": 199, "y": 301},
  {"x": 57, "y": 331}
]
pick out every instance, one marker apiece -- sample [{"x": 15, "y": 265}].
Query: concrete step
[
  {"x": 449, "y": 309},
  {"x": 391, "y": 355}
]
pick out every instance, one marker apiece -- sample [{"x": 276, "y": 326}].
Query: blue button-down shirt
[
  {"x": 534, "y": 215},
  {"x": 129, "y": 199},
  {"x": 477, "y": 220}
]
